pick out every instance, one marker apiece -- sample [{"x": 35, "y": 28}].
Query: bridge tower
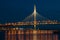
[{"x": 34, "y": 17}]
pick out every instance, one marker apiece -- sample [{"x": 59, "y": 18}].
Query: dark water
[
  {"x": 49, "y": 27},
  {"x": 42, "y": 27},
  {"x": 2, "y": 35}
]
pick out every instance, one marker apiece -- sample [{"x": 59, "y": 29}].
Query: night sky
[{"x": 17, "y": 10}]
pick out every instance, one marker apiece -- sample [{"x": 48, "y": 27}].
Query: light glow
[{"x": 34, "y": 17}]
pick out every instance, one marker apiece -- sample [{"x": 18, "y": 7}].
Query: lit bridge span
[
  {"x": 34, "y": 22},
  {"x": 29, "y": 23}
]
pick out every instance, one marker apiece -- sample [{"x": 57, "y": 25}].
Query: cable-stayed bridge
[{"x": 34, "y": 19}]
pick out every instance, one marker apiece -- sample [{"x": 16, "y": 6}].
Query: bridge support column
[{"x": 34, "y": 17}]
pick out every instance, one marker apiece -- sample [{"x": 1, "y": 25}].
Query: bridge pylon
[{"x": 34, "y": 17}]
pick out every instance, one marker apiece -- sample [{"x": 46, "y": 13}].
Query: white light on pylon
[
  {"x": 34, "y": 17},
  {"x": 34, "y": 9}
]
